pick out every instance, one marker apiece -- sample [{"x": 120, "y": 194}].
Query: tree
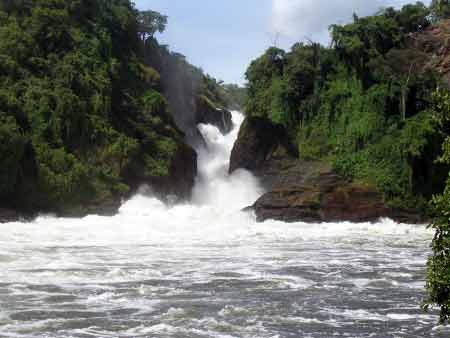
[
  {"x": 404, "y": 67},
  {"x": 440, "y": 9},
  {"x": 367, "y": 38},
  {"x": 302, "y": 76},
  {"x": 15, "y": 6},
  {"x": 12, "y": 148},
  {"x": 361, "y": 103},
  {"x": 261, "y": 75},
  {"x": 413, "y": 17},
  {"x": 150, "y": 22},
  {"x": 438, "y": 273}
]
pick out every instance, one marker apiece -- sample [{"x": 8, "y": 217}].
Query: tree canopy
[
  {"x": 151, "y": 22},
  {"x": 438, "y": 281},
  {"x": 82, "y": 108},
  {"x": 440, "y": 9}
]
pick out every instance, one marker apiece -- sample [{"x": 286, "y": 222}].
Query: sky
[{"x": 224, "y": 36}]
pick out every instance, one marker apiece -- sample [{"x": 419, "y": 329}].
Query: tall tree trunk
[
  {"x": 403, "y": 103},
  {"x": 405, "y": 89}
]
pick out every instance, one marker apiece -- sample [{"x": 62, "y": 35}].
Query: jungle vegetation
[{"x": 82, "y": 104}]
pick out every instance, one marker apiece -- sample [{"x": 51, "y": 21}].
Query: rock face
[
  {"x": 302, "y": 191},
  {"x": 259, "y": 143},
  {"x": 208, "y": 114},
  {"x": 312, "y": 192},
  {"x": 187, "y": 106},
  {"x": 8, "y": 215},
  {"x": 326, "y": 197},
  {"x": 323, "y": 197},
  {"x": 199, "y": 110}
]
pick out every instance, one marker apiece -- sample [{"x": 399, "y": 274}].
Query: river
[{"x": 205, "y": 269}]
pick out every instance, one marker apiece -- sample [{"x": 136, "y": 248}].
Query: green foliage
[
  {"x": 62, "y": 177},
  {"x": 150, "y": 75},
  {"x": 440, "y": 9},
  {"x": 260, "y": 75},
  {"x": 206, "y": 102},
  {"x": 151, "y": 22},
  {"x": 160, "y": 166},
  {"x": 153, "y": 103},
  {"x": 235, "y": 96},
  {"x": 438, "y": 276},
  {"x": 12, "y": 149},
  {"x": 360, "y": 104},
  {"x": 85, "y": 93},
  {"x": 77, "y": 103},
  {"x": 368, "y": 38}
]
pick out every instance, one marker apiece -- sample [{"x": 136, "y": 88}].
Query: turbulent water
[{"x": 206, "y": 269}]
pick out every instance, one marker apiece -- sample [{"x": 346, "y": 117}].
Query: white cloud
[{"x": 310, "y": 19}]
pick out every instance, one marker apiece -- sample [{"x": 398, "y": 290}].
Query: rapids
[{"x": 206, "y": 269}]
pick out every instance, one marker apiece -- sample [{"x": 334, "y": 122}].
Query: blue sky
[{"x": 223, "y": 36}]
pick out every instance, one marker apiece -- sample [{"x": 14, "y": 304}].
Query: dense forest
[
  {"x": 375, "y": 105},
  {"x": 86, "y": 108}
]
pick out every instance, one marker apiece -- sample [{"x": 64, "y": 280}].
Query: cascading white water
[
  {"x": 205, "y": 269},
  {"x": 215, "y": 187}
]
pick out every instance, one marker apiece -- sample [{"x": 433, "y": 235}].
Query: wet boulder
[
  {"x": 208, "y": 113},
  {"x": 325, "y": 197},
  {"x": 8, "y": 215},
  {"x": 311, "y": 192},
  {"x": 259, "y": 143}
]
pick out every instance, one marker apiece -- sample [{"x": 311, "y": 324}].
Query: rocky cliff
[
  {"x": 192, "y": 96},
  {"x": 261, "y": 143}
]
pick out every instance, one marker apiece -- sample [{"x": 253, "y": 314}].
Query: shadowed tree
[
  {"x": 438, "y": 277},
  {"x": 440, "y": 9},
  {"x": 404, "y": 67},
  {"x": 150, "y": 22}
]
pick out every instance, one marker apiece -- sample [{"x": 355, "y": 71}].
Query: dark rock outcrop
[
  {"x": 106, "y": 207},
  {"x": 324, "y": 197},
  {"x": 299, "y": 190},
  {"x": 198, "y": 109},
  {"x": 188, "y": 107},
  {"x": 317, "y": 194},
  {"x": 259, "y": 143},
  {"x": 208, "y": 114},
  {"x": 9, "y": 215}
]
